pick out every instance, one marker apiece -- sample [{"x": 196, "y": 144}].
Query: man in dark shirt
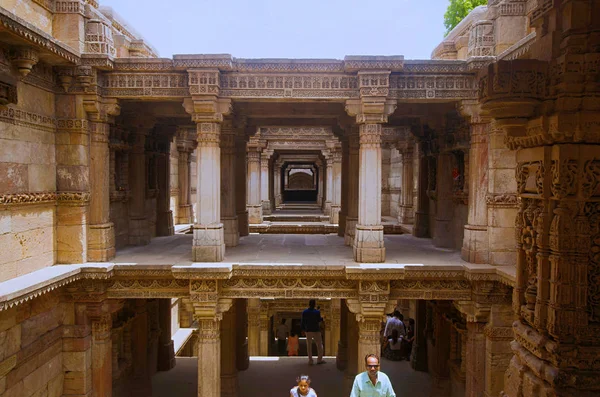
[{"x": 311, "y": 318}]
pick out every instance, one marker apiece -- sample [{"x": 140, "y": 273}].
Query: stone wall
[
  {"x": 27, "y": 170},
  {"x": 32, "y": 361}
]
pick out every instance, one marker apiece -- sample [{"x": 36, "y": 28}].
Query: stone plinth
[
  {"x": 255, "y": 213},
  {"x": 209, "y": 243},
  {"x": 368, "y": 244}
]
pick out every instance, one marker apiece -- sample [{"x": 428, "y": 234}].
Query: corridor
[{"x": 275, "y": 376}]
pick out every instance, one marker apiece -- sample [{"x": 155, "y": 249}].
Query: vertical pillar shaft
[
  {"x": 264, "y": 332},
  {"x": 320, "y": 185},
  {"x": 419, "y": 351},
  {"x": 475, "y": 244},
  {"x": 353, "y": 171},
  {"x": 354, "y": 363},
  {"x": 265, "y": 182},
  {"x": 185, "y": 147},
  {"x": 254, "y": 203},
  {"x": 277, "y": 184},
  {"x": 253, "y": 326},
  {"x": 101, "y": 232},
  {"x": 209, "y": 357},
  {"x": 208, "y": 244},
  {"x": 421, "y": 226},
  {"x": 102, "y": 356},
  {"x": 228, "y": 191},
  {"x": 229, "y": 377},
  {"x": 166, "y": 353},
  {"x": 336, "y": 194},
  {"x": 328, "y": 185},
  {"x": 442, "y": 228},
  {"x": 475, "y": 363},
  {"x": 406, "y": 213},
  {"x": 164, "y": 222},
  {"x": 369, "y": 339},
  {"x": 334, "y": 326},
  {"x": 241, "y": 335},
  {"x": 241, "y": 175},
  {"x": 368, "y": 243},
  {"x": 139, "y": 232},
  {"x": 344, "y": 192}
]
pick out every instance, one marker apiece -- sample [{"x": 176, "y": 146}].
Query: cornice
[{"x": 38, "y": 38}]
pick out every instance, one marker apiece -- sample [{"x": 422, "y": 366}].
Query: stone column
[
  {"x": 241, "y": 335},
  {"x": 185, "y": 146},
  {"x": 139, "y": 231},
  {"x": 164, "y": 221},
  {"x": 498, "y": 337},
  {"x": 209, "y": 315},
  {"x": 72, "y": 154},
  {"x": 265, "y": 159},
  {"x": 334, "y": 326},
  {"x": 320, "y": 185},
  {"x": 228, "y": 181},
  {"x": 102, "y": 355},
  {"x": 353, "y": 171},
  {"x": 277, "y": 183},
  {"x": 418, "y": 359},
  {"x": 254, "y": 204},
  {"x": 421, "y": 222},
  {"x": 406, "y": 213},
  {"x": 336, "y": 194},
  {"x": 253, "y": 326},
  {"x": 475, "y": 362},
  {"x": 229, "y": 377},
  {"x": 442, "y": 227},
  {"x": 344, "y": 192},
  {"x": 139, "y": 347},
  {"x": 475, "y": 243},
  {"x": 438, "y": 351},
  {"x": 368, "y": 242},
  {"x": 265, "y": 341},
  {"x": 354, "y": 365},
  {"x": 241, "y": 174},
  {"x": 166, "y": 354},
  {"x": 101, "y": 232},
  {"x": 328, "y": 183}
]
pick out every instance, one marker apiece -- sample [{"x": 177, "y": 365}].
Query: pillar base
[
  {"x": 243, "y": 223},
  {"x": 166, "y": 357},
  {"x": 71, "y": 234},
  {"x": 230, "y": 227},
  {"x": 334, "y": 216},
  {"x": 229, "y": 386},
  {"x": 475, "y": 244},
  {"x": 184, "y": 215},
  {"x": 101, "y": 242},
  {"x": 350, "y": 231},
  {"x": 327, "y": 208},
  {"x": 255, "y": 214},
  {"x": 266, "y": 207},
  {"x": 139, "y": 233},
  {"x": 421, "y": 225},
  {"x": 368, "y": 244},
  {"x": 443, "y": 236},
  {"x": 164, "y": 224},
  {"x": 278, "y": 200},
  {"x": 209, "y": 243},
  {"x": 406, "y": 215}
]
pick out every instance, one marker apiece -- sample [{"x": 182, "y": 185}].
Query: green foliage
[{"x": 457, "y": 10}]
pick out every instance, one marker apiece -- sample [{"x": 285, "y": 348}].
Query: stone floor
[
  {"x": 275, "y": 376},
  {"x": 292, "y": 249}
]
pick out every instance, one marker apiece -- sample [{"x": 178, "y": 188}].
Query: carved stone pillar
[
  {"x": 418, "y": 359},
  {"x": 475, "y": 362},
  {"x": 336, "y": 197},
  {"x": 101, "y": 232},
  {"x": 368, "y": 242},
  {"x": 241, "y": 174},
  {"x": 333, "y": 322},
  {"x": 277, "y": 183},
  {"x": 328, "y": 183},
  {"x": 254, "y": 204},
  {"x": 421, "y": 222},
  {"x": 265, "y": 159},
  {"x": 102, "y": 354},
  {"x": 354, "y": 364},
  {"x": 229, "y": 377},
  {"x": 321, "y": 185},
  {"x": 139, "y": 231},
  {"x": 209, "y": 316},
  {"x": 498, "y": 337},
  {"x": 344, "y": 192},
  {"x": 475, "y": 243},
  {"x": 185, "y": 146},
  {"x": 442, "y": 232},
  {"x": 406, "y": 213},
  {"x": 253, "y": 326},
  {"x": 166, "y": 354},
  {"x": 228, "y": 181},
  {"x": 265, "y": 341},
  {"x": 438, "y": 351},
  {"x": 164, "y": 221},
  {"x": 73, "y": 180},
  {"x": 353, "y": 171},
  {"x": 139, "y": 347},
  {"x": 242, "y": 357}
]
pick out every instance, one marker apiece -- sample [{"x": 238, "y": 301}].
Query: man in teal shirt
[{"x": 372, "y": 382}]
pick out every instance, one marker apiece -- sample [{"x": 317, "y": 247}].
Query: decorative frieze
[
  {"x": 430, "y": 289},
  {"x": 28, "y": 119},
  {"x": 432, "y": 86},
  {"x": 140, "y": 288},
  {"x": 146, "y": 85},
  {"x": 502, "y": 200}
]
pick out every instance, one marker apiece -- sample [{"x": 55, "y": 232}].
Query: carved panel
[{"x": 146, "y": 85}]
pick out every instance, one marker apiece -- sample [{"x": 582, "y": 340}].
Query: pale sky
[{"x": 287, "y": 29}]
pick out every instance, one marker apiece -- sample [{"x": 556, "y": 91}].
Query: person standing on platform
[{"x": 311, "y": 319}]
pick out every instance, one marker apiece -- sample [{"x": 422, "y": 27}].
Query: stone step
[
  {"x": 296, "y": 218},
  {"x": 300, "y": 207},
  {"x": 284, "y": 228}
]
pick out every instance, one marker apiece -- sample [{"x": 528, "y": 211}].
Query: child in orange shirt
[{"x": 292, "y": 346}]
